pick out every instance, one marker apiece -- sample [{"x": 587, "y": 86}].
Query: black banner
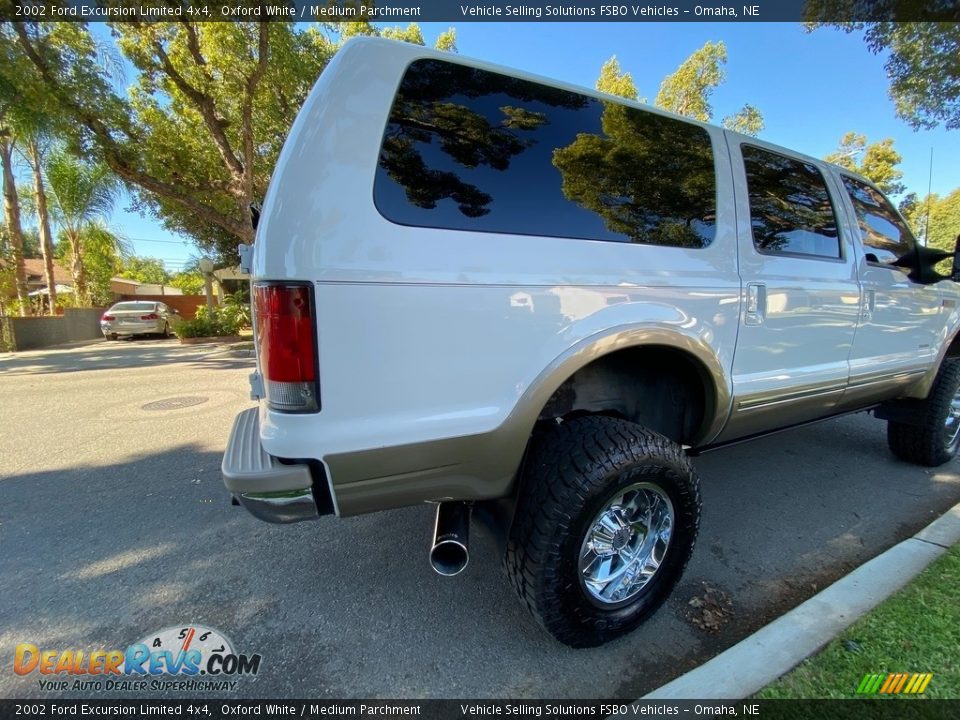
[
  {"x": 399, "y": 11},
  {"x": 891, "y": 708}
]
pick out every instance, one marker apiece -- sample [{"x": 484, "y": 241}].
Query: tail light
[
  {"x": 107, "y": 318},
  {"x": 151, "y": 316},
  {"x": 286, "y": 346}
]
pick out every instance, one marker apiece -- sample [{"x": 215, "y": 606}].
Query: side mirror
[{"x": 923, "y": 262}]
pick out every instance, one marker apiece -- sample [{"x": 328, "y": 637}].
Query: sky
[{"x": 811, "y": 88}]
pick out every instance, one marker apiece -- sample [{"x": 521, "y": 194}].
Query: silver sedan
[{"x": 138, "y": 318}]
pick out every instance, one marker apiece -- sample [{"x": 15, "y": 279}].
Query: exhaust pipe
[{"x": 449, "y": 554}]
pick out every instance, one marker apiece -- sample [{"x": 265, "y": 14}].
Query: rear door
[
  {"x": 902, "y": 321},
  {"x": 801, "y": 294}
]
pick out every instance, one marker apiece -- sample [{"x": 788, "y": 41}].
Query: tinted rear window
[
  {"x": 467, "y": 149},
  {"x": 790, "y": 208}
]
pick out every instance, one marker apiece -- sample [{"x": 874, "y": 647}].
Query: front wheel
[
  {"x": 935, "y": 438},
  {"x": 606, "y": 520}
]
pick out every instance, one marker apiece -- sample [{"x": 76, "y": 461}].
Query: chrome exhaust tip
[{"x": 450, "y": 552}]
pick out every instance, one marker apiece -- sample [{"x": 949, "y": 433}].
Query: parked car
[
  {"x": 138, "y": 318},
  {"x": 531, "y": 303}
]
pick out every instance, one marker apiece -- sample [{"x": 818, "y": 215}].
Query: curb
[{"x": 777, "y": 648}]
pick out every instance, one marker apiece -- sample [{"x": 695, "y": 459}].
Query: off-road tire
[
  {"x": 929, "y": 443},
  {"x": 571, "y": 470}
]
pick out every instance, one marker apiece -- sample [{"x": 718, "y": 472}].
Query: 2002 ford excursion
[{"x": 518, "y": 298}]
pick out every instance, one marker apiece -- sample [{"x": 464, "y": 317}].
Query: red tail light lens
[
  {"x": 107, "y": 318},
  {"x": 151, "y": 316},
  {"x": 286, "y": 346}
]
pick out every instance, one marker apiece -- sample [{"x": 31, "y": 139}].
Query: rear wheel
[
  {"x": 112, "y": 336},
  {"x": 935, "y": 438},
  {"x": 606, "y": 520}
]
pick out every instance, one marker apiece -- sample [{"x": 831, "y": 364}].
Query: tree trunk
[
  {"x": 79, "y": 272},
  {"x": 11, "y": 213},
  {"x": 43, "y": 222}
]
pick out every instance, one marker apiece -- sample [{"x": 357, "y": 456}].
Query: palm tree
[
  {"x": 35, "y": 156},
  {"x": 82, "y": 193},
  {"x": 11, "y": 213}
]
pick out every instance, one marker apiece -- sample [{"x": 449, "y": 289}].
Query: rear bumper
[
  {"x": 131, "y": 328},
  {"x": 275, "y": 491}
]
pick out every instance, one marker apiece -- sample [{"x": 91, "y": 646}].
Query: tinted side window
[
  {"x": 468, "y": 149},
  {"x": 790, "y": 208},
  {"x": 882, "y": 230}
]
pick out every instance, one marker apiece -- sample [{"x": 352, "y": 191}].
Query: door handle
[{"x": 756, "y": 307}]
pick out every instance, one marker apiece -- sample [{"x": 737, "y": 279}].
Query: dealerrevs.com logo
[{"x": 187, "y": 658}]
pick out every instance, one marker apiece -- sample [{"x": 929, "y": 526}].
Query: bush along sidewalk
[
  {"x": 219, "y": 323},
  {"x": 907, "y": 647}
]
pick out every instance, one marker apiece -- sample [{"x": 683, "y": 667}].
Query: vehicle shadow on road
[
  {"x": 100, "y": 556},
  {"x": 123, "y": 354}
]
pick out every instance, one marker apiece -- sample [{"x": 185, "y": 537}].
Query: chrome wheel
[
  {"x": 626, "y": 543},
  {"x": 952, "y": 423}
]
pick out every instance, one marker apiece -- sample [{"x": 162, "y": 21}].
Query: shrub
[
  {"x": 237, "y": 308},
  {"x": 220, "y": 323}
]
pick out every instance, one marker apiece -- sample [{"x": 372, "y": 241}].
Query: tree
[
  {"x": 944, "y": 220},
  {"x": 748, "y": 121},
  {"x": 83, "y": 194},
  {"x": 687, "y": 90},
  {"x": 198, "y": 135},
  {"x": 190, "y": 282},
  {"x": 923, "y": 64},
  {"x": 103, "y": 256},
  {"x": 144, "y": 269},
  {"x": 12, "y": 224},
  {"x": 877, "y": 161},
  {"x": 35, "y": 153},
  {"x": 615, "y": 81}
]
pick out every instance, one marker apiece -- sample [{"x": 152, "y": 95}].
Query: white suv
[{"x": 503, "y": 294}]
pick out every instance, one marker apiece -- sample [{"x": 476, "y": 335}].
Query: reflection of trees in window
[
  {"x": 649, "y": 177},
  {"x": 790, "y": 208},
  {"x": 880, "y": 226},
  {"x": 425, "y": 111}
]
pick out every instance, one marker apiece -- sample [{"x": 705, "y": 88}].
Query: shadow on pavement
[
  {"x": 121, "y": 354},
  {"x": 99, "y": 556}
]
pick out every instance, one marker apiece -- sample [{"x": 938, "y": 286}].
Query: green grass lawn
[{"x": 915, "y": 631}]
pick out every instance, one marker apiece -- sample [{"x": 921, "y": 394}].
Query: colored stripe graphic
[
  {"x": 887, "y": 683},
  {"x": 914, "y": 682},
  {"x": 894, "y": 683}
]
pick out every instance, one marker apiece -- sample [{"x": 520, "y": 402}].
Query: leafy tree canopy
[
  {"x": 748, "y": 121},
  {"x": 144, "y": 269},
  {"x": 876, "y": 161},
  {"x": 687, "y": 90},
  {"x": 196, "y": 135},
  {"x": 923, "y": 61},
  {"x": 615, "y": 81},
  {"x": 190, "y": 282},
  {"x": 944, "y": 219}
]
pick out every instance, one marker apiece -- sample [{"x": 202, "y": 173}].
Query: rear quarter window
[{"x": 468, "y": 149}]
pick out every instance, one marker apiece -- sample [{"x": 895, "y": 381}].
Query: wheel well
[
  {"x": 659, "y": 387},
  {"x": 953, "y": 349}
]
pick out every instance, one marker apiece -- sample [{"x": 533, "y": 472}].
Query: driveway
[{"x": 114, "y": 523}]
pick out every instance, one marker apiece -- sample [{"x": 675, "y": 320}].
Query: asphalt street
[{"x": 114, "y": 523}]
